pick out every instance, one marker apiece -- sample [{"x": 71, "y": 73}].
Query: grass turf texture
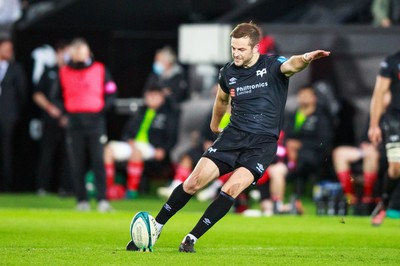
[{"x": 47, "y": 231}]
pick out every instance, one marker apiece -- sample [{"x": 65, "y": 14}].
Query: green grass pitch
[{"x": 47, "y": 231}]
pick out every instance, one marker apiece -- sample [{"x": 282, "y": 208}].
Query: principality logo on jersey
[
  {"x": 261, "y": 72},
  {"x": 232, "y": 92},
  {"x": 232, "y": 81},
  {"x": 260, "y": 168}
]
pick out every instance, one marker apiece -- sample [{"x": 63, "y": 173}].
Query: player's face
[{"x": 242, "y": 52}]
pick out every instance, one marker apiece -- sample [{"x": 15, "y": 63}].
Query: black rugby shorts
[{"x": 235, "y": 148}]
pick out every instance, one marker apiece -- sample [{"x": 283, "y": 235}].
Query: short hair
[
  {"x": 5, "y": 39},
  {"x": 77, "y": 42},
  {"x": 306, "y": 87},
  {"x": 60, "y": 45},
  {"x": 154, "y": 88},
  {"x": 169, "y": 53},
  {"x": 249, "y": 30}
]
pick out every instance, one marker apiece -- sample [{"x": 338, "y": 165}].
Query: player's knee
[
  {"x": 338, "y": 154},
  {"x": 371, "y": 152},
  {"x": 193, "y": 184}
]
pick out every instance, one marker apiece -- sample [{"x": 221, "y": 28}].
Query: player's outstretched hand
[{"x": 314, "y": 55}]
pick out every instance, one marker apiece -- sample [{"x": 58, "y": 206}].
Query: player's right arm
[
  {"x": 377, "y": 108},
  {"x": 297, "y": 63},
  {"x": 220, "y": 107}
]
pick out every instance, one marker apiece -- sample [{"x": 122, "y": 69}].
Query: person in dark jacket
[
  {"x": 149, "y": 135},
  {"x": 169, "y": 76},
  {"x": 12, "y": 99},
  {"x": 87, "y": 91},
  {"x": 309, "y": 134},
  {"x": 52, "y": 144}
]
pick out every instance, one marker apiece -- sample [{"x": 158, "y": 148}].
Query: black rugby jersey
[
  {"x": 258, "y": 95},
  {"x": 390, "y": 68}
]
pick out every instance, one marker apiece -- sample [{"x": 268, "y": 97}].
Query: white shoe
[
  {"x": 255, "y": 195},
  {"x": 164, "y": 192},
  {"x": 104, "y": 206},
  {"x": 41, "y": 192},
  {"x": 83, "y": 206},
  {"x": 252, "y": 213},
  {"x": 207, "y": 194}
]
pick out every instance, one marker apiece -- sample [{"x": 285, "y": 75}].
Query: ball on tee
[{"x": 143, "y": 231}]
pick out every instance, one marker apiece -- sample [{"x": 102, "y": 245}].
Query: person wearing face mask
[
  {"x": 170, "y": 76},
  {"x": 12, "y": 99},
  {"x": 308, "y": 139},
  {"x": 87, "y": 91}
]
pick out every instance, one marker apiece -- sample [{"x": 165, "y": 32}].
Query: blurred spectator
[
  {"x": 371, "y": 159},
  {"x": 87, "y": 91},
  {"x": 344, "y": 157},
  {"x": 148, "y": 136},
  {"x": 385, "y": 12},
  {"x": 170, "y": 76},
  {"x": 43, "y": 56},
  {"x": 385, "y": 127},
  {"x": 12, "y": 99},
  {"x": 52, "y": 147},
  {"x": 308, "y": 140}
]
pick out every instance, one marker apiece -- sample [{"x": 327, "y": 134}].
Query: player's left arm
[{"x": 297, "y": 63}]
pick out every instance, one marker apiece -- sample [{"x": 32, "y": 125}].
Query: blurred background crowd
[{"x": 155, "y": 65}]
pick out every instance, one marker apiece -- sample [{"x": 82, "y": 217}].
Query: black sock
[
  {"x": 217, "y": 209},
  {"x": 390, "y": 185},
  {"x": 176, "y": 201}
]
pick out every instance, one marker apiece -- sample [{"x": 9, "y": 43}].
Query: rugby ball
[{"x": 143, "y": 231}]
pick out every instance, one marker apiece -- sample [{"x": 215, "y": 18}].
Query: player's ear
[{"x": 255, "y": 48}]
